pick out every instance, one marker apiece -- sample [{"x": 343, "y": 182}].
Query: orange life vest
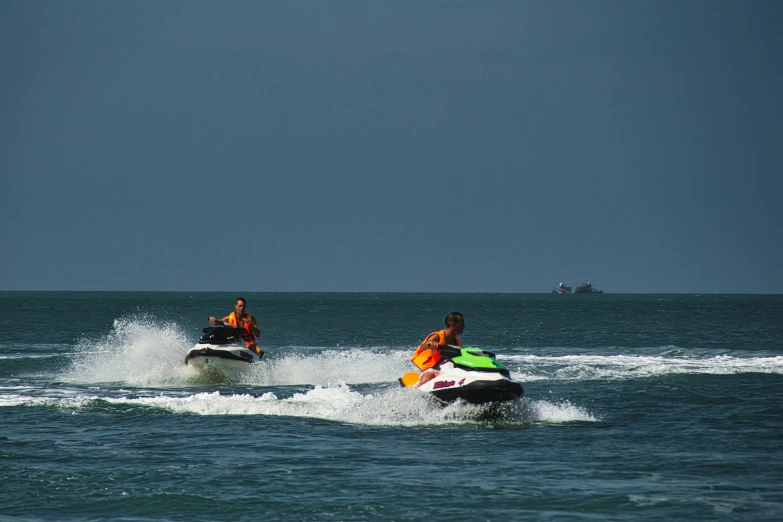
[
  {"x": 247, "y": 334},
  {"x": 426, "y": 358}
]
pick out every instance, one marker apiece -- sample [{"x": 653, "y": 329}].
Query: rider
[
  {"x": 242, "y": 320},
  {"x": 427, "y": 356}
]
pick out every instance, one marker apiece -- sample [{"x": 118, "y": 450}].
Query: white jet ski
[
  {"x": 470, "y": 374},
  {"x": 221, "y": 349}
]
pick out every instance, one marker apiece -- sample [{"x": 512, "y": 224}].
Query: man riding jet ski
[
  {"x": 221, "y": 348},
  {"x": 470, "y": 374},
  {"x": 451, "y": 372},
  {"x": 246, "y": 324}
]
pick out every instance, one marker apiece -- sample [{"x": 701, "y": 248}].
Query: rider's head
[
  {"x": 454, "y": 319},
  {"x": 455, "y": 323},
  {"x": 240, "y": 304}
]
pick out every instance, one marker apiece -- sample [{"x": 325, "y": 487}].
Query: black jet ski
[{"x": 221, "y": 348}]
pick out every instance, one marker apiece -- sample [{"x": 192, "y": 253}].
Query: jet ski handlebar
[
  {"x": 221, "y": 333},
  {"x": 224, "y": 327},
  {"x": 450, "y": 351}
]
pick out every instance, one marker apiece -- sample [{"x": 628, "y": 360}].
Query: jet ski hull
[
  {"x": 482, "y": 392},
  {"x": 221, "y": 358},
  {"x": 474, "y": 387}
]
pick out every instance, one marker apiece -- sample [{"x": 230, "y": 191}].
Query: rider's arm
[
  {"x": 254, "y": 326},
  {"x": 430, "y": 342},
  {"x": 215, "y": 321}
]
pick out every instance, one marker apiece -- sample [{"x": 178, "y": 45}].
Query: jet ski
[
  {"x": 470, "y": 374},
  {"x": 221, "y": 349}
]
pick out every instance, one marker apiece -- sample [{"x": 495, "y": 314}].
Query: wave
[
  {"x": 340, "y": 403},
  {"x": 624, "y": 367}
]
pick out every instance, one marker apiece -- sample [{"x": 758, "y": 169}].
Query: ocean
[{"x": 637, "y": 407}]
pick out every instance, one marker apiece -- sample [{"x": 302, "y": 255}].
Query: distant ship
[
  {"x": 588, "y": 288},
  {"x": 561, "y": 289}
]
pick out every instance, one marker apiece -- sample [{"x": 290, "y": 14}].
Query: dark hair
[
  {"x": 453, "y": 318},
  {"x": 240, "y": 299}
]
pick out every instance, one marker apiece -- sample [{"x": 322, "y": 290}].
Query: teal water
[{"x": 649, "y": 407}]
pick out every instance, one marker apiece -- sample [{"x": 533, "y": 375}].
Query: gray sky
[{"x": 452, "y": 146}]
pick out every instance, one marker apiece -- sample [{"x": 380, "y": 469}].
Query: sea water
[{"x": 649, "y": 407}]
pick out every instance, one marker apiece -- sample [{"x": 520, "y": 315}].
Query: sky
[{"x": 406, "y": 146}]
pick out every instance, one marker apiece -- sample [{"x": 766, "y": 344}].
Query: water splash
[
  {"x": 330, "y": 367},
  {"x": 139, "y": 350},
  {"x": 143, "y": 351}
]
